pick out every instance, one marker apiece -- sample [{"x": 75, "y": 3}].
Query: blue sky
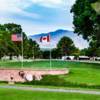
[{"x": 36, "y": 16}]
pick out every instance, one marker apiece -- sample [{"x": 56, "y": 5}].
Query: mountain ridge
[{"x": 57, "y": 35}]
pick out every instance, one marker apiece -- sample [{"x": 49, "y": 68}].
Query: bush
[
  {"x": 52, "y": 80},
  {"x": 55, "y": 80}
]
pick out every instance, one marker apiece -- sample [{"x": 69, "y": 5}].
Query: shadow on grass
[{"x": 60, "y": 82}]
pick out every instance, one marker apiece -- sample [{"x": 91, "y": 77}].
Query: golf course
[{"x": 81, "y": 75}]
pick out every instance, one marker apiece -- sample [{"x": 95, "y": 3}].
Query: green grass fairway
[
  {"x": 12, "y": 94},
  {"x": 46, "y": 64},
  {"x": 83, "y": 74}
]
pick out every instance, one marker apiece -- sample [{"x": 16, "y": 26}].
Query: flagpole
[
  {"x": 50, "y": 53},
  {"x": 22, "y": 50},
  {"x": 50, "y": 59},
  {"x": 48, "y": 40}
]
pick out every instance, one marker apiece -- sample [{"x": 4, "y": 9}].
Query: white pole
[
  {"x": 50, "y": 53},
  {"x": 50, "y": 56},
  {"x": 33, "y": 53},
  {"x": 22, "y": 50},
  {"x": 50, "y": 60}
]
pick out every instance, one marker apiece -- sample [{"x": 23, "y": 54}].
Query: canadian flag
[{"x": 45, "y": 38}]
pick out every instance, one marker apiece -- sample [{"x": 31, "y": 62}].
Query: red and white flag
[
  {"x": 16, "y": 37},
  {"x": 45, "y": 39}
]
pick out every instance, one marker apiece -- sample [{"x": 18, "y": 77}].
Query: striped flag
[{"x": 16, "y": 37}]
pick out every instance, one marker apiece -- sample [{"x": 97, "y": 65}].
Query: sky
[{"x": 38, "y": 16}]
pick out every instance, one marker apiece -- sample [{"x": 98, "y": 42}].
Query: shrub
[{"x": 52, "y": 80}]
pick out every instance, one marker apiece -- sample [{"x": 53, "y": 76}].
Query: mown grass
[
  {"x": 46, "y": 64},
  {"x": 12, "y": 94},
  {"x": 81, "y": 74}
]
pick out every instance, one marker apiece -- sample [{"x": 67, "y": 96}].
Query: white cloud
[
  {"x": 49, "y": 3},
  {"x": 8, "y": 4},
  {"x": 80, "y": 42},
  {"x": 10, "y": 7},
  {"x": 70, "y": 2},
  {"x": 35, "y": 28},
  {"x": 54, "y": 3}
]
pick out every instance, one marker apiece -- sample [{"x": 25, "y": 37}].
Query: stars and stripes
[{"x": 16, "y": 37}]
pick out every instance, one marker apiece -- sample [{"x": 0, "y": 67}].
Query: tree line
[
  {"x": 10, "y": 48},
  {"x": 65, "y": 47},
  {"x": 31, "y": 48}
]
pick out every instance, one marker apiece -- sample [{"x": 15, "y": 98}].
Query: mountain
[{"x": 57, "y": 35}]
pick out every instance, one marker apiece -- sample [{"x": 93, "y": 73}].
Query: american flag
[{"x": 16, "y": 37}]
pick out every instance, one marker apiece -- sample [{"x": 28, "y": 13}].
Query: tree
[
  {"x": 10, "y": 48},
  {"x": 93, "y": 50},
  {"x": 96, "y": 5},
  {"x": 92, "y": 1},
  {"x": 65, "y": 46},
  {"x": 55, "y": 53},
  {"x": 6, "y": 44},
  {"x": 46, "y": 54},
  {"x": 86, "y": 21},
  {"x": 34, "y": 48},
  {"x": 84, "y": 51},
  {"x": 13, "y": 28}
]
